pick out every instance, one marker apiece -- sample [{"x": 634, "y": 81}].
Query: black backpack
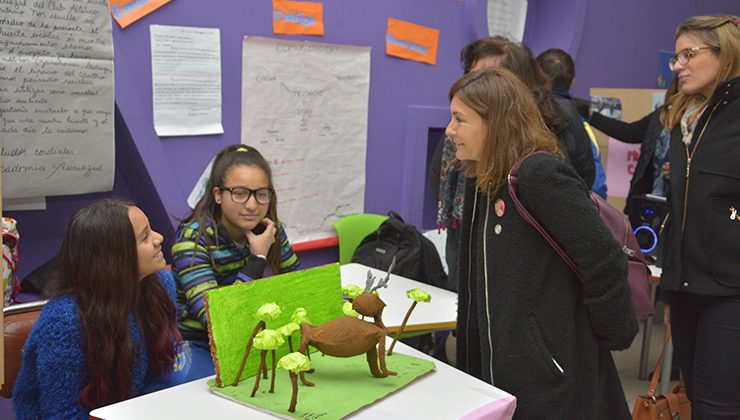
[{"x": 416, "y": 256}]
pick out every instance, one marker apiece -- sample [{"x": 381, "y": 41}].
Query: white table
[
  {"x": 445, "y": 393},
  {"x": 439, "y": 314}
]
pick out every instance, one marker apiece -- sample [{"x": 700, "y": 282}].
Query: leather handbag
[
  {"x": 672, "y": 405},
  {"x": 620, "y": 228}
]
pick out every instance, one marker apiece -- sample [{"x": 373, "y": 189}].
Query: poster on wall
[
  {"x": 186, "y": 80},
  {"x": 56, "y": 98},
  {"x": 507, "y": 18},
  {"x": 305, "y": 107}
]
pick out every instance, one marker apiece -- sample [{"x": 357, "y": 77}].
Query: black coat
[
  {"x": 547, "y": 332},
  {"x": 701, "y": 240},
  {"x": 574, "y": 141},
  {"x": 645, "y": 131}
]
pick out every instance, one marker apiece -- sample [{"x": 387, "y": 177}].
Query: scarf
[{"x": 451, "y": 188}]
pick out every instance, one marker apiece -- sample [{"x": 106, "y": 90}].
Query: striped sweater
[{"x": 211, "y": 263}]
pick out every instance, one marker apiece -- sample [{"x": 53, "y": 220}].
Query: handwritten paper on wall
[
  {"x": 304, "y": 107},
  {"x": 186, "y": 80},
  {"x": 507, "y": 18},
  {"x": 56, "y": 98}
]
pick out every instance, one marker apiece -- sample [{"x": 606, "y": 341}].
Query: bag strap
[
  {"x": 658, "y": 366},
  {"x": 513, "y": 179}
]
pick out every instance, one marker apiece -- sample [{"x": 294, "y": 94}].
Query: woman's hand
[
  {"x": 666, "y": 168},
  {"x": 260, "y": 244}
]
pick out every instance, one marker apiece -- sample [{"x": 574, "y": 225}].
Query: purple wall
[{"x": 615, "y": 44}]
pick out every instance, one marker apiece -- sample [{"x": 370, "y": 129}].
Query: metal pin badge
[
  {"x": 733, "y": 214},
  {"x": 497, "y": 229},
  {"x": 500, "y": 207}
]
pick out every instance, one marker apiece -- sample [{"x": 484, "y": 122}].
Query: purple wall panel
[{"x": 615, "y": 44}]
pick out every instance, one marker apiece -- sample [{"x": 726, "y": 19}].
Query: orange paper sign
[
  {"x": 297, "y": 18},
  {"x": 126, "y": 12},
  {"x": 410, "y": 41}
]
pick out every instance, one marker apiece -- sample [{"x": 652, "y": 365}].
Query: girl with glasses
[
  {"x": 232, "y": 235},
  {"x": 110, "y": 333},
  {"x": 701, "y": 261}
]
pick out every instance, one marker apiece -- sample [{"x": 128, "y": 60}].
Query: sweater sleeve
[
  {"x": 59, "y": 362},
  {"x": 193, "y": 271},
  {"x": 550, "y": 190},
  {"x": 168, "y": 282},
  {"x": 288, "y": 259},
  {"x": 633, "y": 132}
]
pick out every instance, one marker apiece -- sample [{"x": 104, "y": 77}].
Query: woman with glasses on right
[
  {"x": 701, "y": 270},
  {"x": 232, "y": 235}
]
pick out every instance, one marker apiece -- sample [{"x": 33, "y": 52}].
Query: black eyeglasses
[
  {"x": 240, "y": 195},
  {"x": 684, "y": 56}
]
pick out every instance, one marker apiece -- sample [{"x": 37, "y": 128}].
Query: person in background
[
  {"x": 232, "y": 235},
  {"x": 526, "y": 323},
  {"x": 559, "y": 114},
  {"x": 560, "y": 71},
  {"x": 701, "y": 269},
  {"x": 652, "y": 169},
  {"x": 111, "y": 332}
]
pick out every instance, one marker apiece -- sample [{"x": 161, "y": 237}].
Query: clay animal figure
[{"x": 347, "y": 336}]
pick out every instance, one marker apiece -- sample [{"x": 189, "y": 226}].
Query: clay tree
[
  {"x": 299, "y": 315},
  {"x": 266, "y": 340},
  {"x": 347, "y": 336},
  {"x": 266, "y": 312},
  {"x": 294, "y": 363},
  {"x": 417, "y": 295}
]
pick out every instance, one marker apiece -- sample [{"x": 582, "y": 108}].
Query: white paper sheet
[
  {"x": 304, "y": 106},
  {"x": 186, "y": 80},
  {"x": 507, "y": 18},
  {"x": 26, "y": 203},
  {"x": 56, "y": 97}
]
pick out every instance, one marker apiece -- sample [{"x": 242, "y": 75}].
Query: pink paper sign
[{"x": 620, "y": 166}]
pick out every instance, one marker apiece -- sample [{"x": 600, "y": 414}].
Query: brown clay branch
[
  {"x": 272, "y": 380},
  {"x": 260, "y": 326},
  {"x": 294, "y": 398},
  {"x": 400, "y": 330},
  {"x": 263, "y": 354}
]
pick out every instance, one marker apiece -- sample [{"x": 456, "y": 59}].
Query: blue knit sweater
[{"x": 51, "y": 378}]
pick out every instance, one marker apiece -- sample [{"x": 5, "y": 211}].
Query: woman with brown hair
[
  {"x": 701, "y": 260},
  {"x": 526, "y": 322},
  {"x": 111, "y": 332}
]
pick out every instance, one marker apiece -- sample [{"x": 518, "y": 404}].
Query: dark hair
[
  {"x": 208, "y": 209},
  {"x": 98, "y": 265},
  {"x": 518, "y": 59},
  {"x": 558, "y": 67},
  {"x": 514, "y": 125}
]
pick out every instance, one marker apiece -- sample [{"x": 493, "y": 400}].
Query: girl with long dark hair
[{"x": 111, "y": 332}]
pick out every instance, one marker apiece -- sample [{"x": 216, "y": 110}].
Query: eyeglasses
[
  {"x": 684, "y": 56},
  {"x": 240, "y": 195}
]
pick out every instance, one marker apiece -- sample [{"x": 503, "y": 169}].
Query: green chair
[{"x": 352, "y": 229}]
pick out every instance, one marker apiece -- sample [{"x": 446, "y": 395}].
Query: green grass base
[{"x": 343, "y": 386}]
